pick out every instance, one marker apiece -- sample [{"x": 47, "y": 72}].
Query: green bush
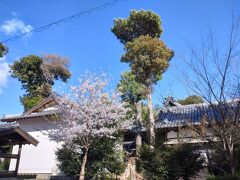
[
  {"x": 182, "y": 161},
  {"x": 151, "y": 164},
  {"x": 68, "y": 161},
  {"x": 219, "y": 164},
  {"x": 103, "y": 157},
  {"x": 4, "y": 163},
  {"x": 224, "y": 177}
]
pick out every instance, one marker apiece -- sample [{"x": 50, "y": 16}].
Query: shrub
[
  {"x": 182, "y": 161},
  {"x": 151, "y": 163},
  {"x": 219, "y": 165},
  {"x": 4, "y": 163},
  {"x": 224, "y": 177},
  {"x": 104, "y": 157}
]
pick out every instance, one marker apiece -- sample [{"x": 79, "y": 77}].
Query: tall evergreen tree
[
  {"x": 148, "y": 58},
  {"x": 37, "y": 76},
  {"x": 147, "y": 55}
]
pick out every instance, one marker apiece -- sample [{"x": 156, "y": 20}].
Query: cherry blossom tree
[{"x": 87, "y": 112}]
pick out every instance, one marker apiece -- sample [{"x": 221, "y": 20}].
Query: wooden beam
[
  {"x": 18, "y": 159},
  {"x": 11, "y": 156},
  {"x": 7, "y": 141},
  {"x": 27, "y": 136},
  {"x": 21, "y": 136}
]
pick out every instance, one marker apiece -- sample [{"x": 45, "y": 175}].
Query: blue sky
[{"x": 89, "y": 44}]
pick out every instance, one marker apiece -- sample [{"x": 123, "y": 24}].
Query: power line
[{"x": 70, "y": 18}]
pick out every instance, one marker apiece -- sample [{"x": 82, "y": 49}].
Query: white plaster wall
[
  {"x": 171, "y": 135},
  {"x": 39, "y": 159}
]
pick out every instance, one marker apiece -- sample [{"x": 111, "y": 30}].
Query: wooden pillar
[{"x": 18, "y": 159}]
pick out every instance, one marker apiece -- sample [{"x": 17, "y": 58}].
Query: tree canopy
[
  {"x": 3, "y": 50},
  {"x": 148, "y": 57},
  {"x": 131, "y": 90},
  {"x": 37, "y": 76},
  {"x": 146, "y": 54},
  {"x": 193, "y": 99},
  {"x": 137, "y": 24}
]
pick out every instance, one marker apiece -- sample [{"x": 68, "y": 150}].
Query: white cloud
[
  {"x": 15, "y": 26},
  {"x": 4, "y": 73},
  {"x": 3, "y": 59}
]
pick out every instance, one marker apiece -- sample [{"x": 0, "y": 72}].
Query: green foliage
[
  {"x": 37, "y": 76},
  {"x": 68, "y": 160},
  {"x": 27, "y": 70},
  {"x": 131, "y": 90},
  {"x": 151, "y": 164},
  {"x": 4, "y": 163},
  {"x": 103, "y": 155},
  {"x": 148, "y": 57},
  {"x": 224, "y": 177},
  {"x": 137, "y": 24},
  {"x": 3, "y": 50},
  {"x": 193, "y": 99},
  {"x": 163, "y": 162},
  {"x": 219, "y": 164},
  {"x": 183, "y": 161},
  {"x": 29, "y": 101}
]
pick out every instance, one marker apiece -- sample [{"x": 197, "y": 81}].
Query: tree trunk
[
  {"x": 138, "y": 141},
  {"x": 138, "y": 106},
  {"x": 232, "y": 160},
  {"x": 209, "y": 162},
  {"x": 151, "y": 118},
  {"x": 84, "y": 162}
]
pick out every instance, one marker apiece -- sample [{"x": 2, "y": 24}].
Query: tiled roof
[
  {"x": 182, "y": 115},
  {"x": 26, "y": 116},
  {"x": 4, "y": 125}
]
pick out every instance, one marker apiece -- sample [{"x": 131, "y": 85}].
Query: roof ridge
[
  {"x": 197, "y": 105},
  {"x": 184, "y": 106},
  {"x": 33, "y": 115}
]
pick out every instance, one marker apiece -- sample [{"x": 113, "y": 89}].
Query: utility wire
[{"x": 70, "y": 18}]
